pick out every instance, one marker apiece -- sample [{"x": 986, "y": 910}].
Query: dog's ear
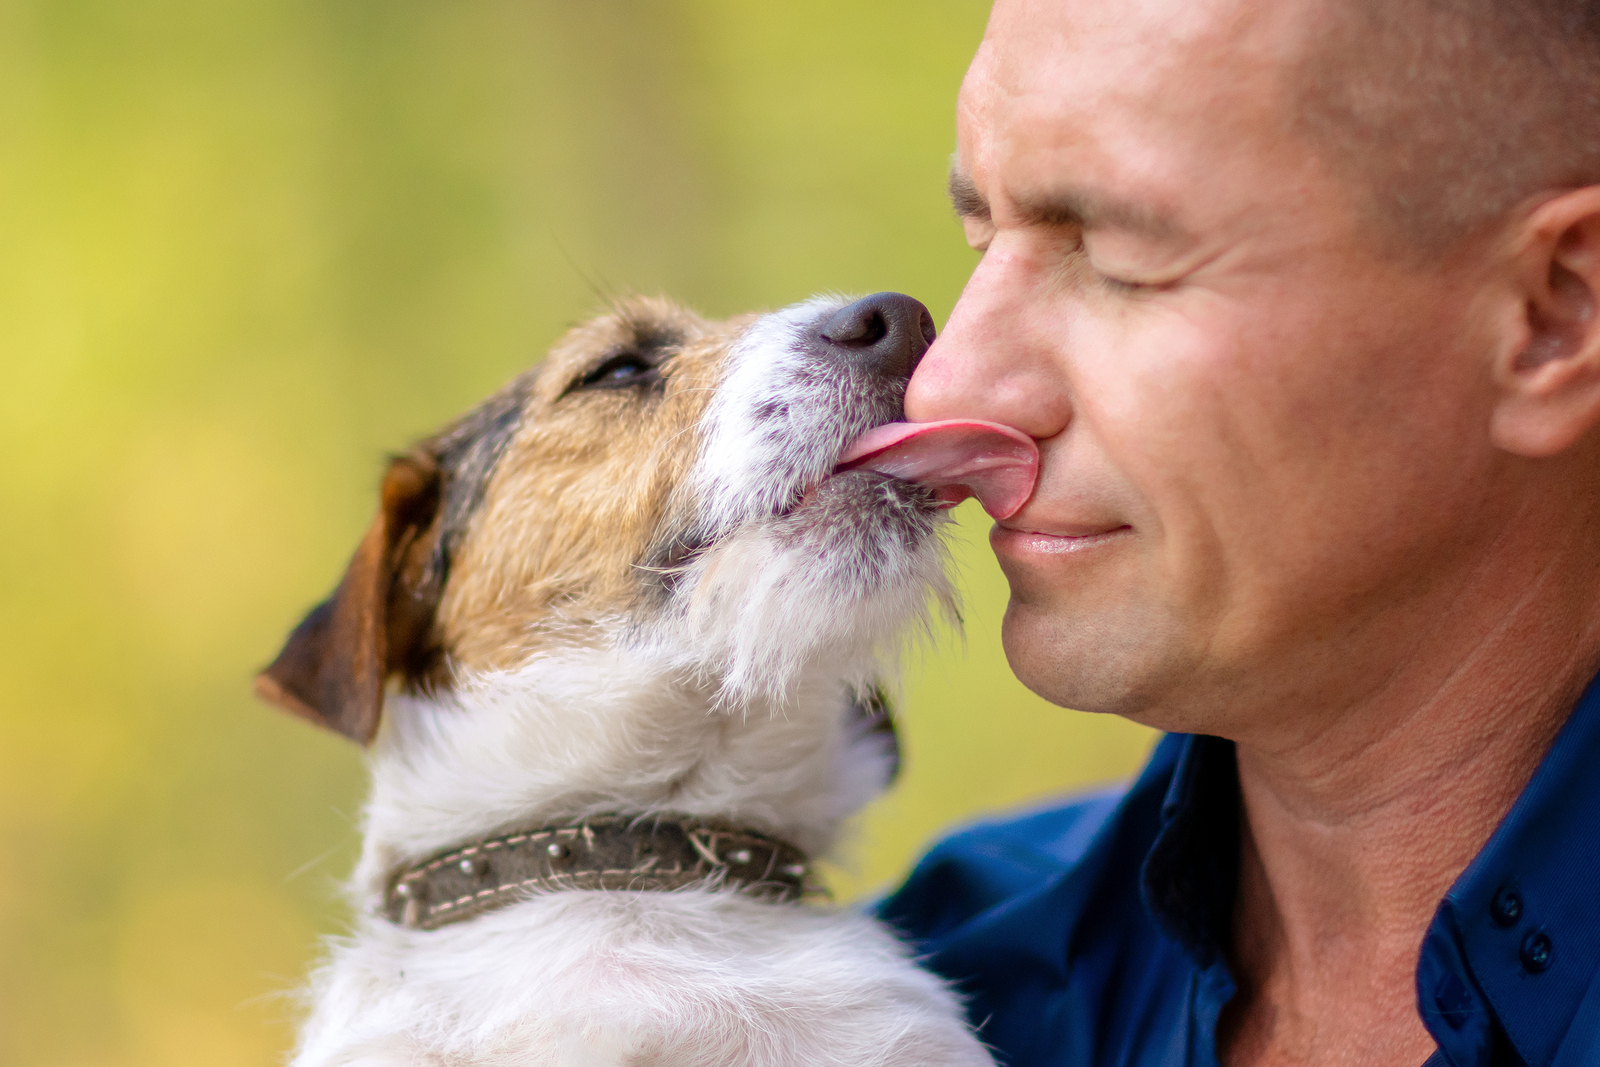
[{"x": 334, "y": 665}]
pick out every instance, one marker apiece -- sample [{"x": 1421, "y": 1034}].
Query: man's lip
[
  {"x": 1065, "y": 539},
  {"x": 1068, "y": 532}
]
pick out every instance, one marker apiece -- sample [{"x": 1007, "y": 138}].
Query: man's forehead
[
  {"x": 1145, "y": 36},
  {"x": 1137, "y": 84}
]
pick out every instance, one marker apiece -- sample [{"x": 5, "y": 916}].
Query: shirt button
[
  {"x": 1537, "y": 952},
  {"x": 1506, "y": 908}
]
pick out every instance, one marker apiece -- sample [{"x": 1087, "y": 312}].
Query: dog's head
[{"x": 661, "y": 481}]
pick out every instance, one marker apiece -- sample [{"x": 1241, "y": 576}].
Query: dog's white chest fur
[
  {"x": 697, "y": 977},
  {"x": 592, "y": 978}
]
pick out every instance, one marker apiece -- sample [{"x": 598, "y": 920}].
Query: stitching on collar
[{"x": 605, "y": 852}]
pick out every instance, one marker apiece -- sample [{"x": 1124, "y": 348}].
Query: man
[{"x": 1299, "y": 299}]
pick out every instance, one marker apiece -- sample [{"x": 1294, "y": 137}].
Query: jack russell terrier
[{"x": 625, "y": 627}]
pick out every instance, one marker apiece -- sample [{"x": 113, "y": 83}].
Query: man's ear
[
  {"x": 334, "y": 665},
  {"x": 1549, "y": 384}
]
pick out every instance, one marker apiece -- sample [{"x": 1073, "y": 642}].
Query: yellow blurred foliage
[
  {"x": 249, "y": 246},
  {"x": 205, "y": 971}
]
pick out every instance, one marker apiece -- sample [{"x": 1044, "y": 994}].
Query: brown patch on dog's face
[
  {"x": 526, "y": 517},
  {"x": 582, "y": 489}
]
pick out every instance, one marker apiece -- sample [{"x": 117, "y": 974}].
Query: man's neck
[{"x": 1351, "y": 835}]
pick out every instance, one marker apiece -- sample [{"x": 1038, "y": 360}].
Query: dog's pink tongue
[{"x": 956, "y": 458}]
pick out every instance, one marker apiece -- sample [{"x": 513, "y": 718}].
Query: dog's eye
[{"x": 627, "y": 368}]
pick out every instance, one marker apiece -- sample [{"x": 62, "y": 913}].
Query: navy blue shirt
[{"x": 1094, "y": 934}]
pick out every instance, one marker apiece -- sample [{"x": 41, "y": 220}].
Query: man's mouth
[
  {"x": 1009, "y": 540},
  {"x": 953, "y": 459}
]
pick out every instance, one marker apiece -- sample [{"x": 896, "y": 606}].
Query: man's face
[{"x": 1260, "y": 433}]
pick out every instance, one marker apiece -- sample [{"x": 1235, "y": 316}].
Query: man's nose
[
  {"x": 884, "y": 334},
  {"x": 995, "y": 360}
]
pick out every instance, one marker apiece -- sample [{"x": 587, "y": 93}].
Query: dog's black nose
[{"x": 886, "y": 333}]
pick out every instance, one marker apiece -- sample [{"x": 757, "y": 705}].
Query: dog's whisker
[{"x": 310, "y": 863}]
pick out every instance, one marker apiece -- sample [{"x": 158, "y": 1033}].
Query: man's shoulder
[
  {"x": 997, "y": 862},
  {"x": 1039, "y": 920},
  {"x": 989, "y": 862}
]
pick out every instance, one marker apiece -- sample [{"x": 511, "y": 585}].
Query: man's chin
[{"x": 1128, "y": 663}]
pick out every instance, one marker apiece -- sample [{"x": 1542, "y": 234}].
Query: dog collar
[{"x": 603, "y": 852}]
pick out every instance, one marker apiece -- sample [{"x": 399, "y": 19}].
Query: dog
[{"x": 618, "y": 641}]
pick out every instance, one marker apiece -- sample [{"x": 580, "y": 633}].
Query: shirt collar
[
  {"x": 1522, "y": 917},
  {"x": 1192, "y": 868},
  {"x": 1515, "y": 944}
]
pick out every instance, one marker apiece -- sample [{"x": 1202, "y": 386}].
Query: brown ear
[{"x": 334, "y": 665}]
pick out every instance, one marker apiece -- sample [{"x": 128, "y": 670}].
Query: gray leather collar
[{"x": 640, "y": 852}]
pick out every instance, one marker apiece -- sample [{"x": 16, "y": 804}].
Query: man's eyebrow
[
  {"x": 1067, "y": 207},
  {"x": 965, "y": 198},
  {"x": 1072, "y": 207}
]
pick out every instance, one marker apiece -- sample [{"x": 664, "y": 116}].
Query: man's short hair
[{"x": 1447, "y": 113}]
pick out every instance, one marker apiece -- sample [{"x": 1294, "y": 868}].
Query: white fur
[
  {"x": 780, "y": 591},
  {"x": 683, "y": 978},
  {"x": 780, "y": 595},
  {"x": 733, "y": 701},
  {"x": 752, "y": 464}
]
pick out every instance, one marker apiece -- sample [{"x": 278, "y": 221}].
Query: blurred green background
[{"x": 246, "y": 247}]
